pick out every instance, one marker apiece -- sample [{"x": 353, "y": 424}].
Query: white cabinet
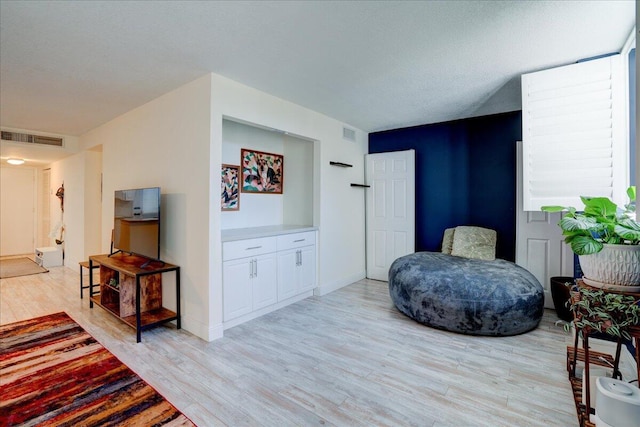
[
  {"x": 296, "y": 264},
  {"x": 265, "y": 290},
  {"x": 287, "y": 274},
  {"x": 263, "y": 274},
  {"x": 307, "y": 268},
  {"x": 249, "y": 281},
  {"x": 237, "y": 293}
]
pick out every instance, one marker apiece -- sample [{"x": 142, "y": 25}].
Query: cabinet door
[
  {"x": 237, "y": 292},
  {"x": 265, "y": 288},
  {"x": 287, "y": 274},
  {"x": 307, "y": 268}
]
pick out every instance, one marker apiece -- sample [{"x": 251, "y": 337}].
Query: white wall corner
[
  {"x": 201, "y": 330},
  {"x": 628, "y": 365},
  {"x": 334, "y": 285},
  {"x": 215, "y": 332}
]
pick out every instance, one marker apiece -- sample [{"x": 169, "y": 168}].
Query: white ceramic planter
[{"x": 616, "y": 267}]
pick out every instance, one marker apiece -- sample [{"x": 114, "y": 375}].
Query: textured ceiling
[{"x": 67, "y": 67}]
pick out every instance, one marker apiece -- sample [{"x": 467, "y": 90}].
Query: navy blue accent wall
[
  {"x": 465, "y": 175},
  {"x": 492, "y": 177}
]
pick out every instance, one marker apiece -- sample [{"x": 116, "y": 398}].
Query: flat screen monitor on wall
[{"x": 136, "y": 225}]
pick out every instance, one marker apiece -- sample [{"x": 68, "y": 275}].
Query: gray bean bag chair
[{"x": 469, "y": 296}]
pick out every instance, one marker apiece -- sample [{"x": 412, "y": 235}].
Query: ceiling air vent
[
  {"x": 32, "y": 139},
  {"x": 348, "y": 134}
]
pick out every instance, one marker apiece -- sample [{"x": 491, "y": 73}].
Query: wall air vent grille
[
  {"x": 32, "y": 139},
  {"x": 348, "y": 134}
]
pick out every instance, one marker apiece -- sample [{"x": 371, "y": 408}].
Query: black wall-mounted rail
[
  {"x": 344, "y": 165},
  {"x": 360, "y": 185}
]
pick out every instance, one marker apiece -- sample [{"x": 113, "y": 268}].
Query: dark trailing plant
[
  {"x": 601, "y": 222},
  {"x": 605, "y": 312}
]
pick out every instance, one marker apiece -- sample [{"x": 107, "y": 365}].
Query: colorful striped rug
[{"x": 52, "y": 372}]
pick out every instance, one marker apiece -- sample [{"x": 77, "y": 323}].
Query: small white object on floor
[
  {"x": 49, "y": 256},
  {"x": 617, "y": 403}
]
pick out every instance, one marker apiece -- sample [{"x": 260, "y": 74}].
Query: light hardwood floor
[{"x": 347, "y": 359}]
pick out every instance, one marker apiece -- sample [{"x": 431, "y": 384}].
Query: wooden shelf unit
[
  {"x": 576, "y": 354},
  {"x": 137, "y": 298},
  {"x": 595, "y": 358}
]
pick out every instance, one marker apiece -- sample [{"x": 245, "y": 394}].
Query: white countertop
[{"x": 233, "y": 234}]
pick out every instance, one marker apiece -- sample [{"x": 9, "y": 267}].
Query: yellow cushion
[
  {"x": 447, "y": 240},
  {"x": 474, "y": 242}
]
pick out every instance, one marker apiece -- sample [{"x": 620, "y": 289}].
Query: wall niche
[{"x": 295, "y": 205}]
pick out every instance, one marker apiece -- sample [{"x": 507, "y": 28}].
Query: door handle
[
  {"x": 251, "y": 269},
  {"x": 255, "y": 271}
]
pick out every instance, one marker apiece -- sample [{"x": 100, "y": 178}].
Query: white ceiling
[{"x": 69, "y": 66}]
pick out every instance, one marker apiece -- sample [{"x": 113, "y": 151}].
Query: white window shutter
[{"x": 573, "y": 134}]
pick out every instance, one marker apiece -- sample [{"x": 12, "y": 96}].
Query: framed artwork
[
  {"x": 261, "y": 172},
  {"x": 230, "y": 194}
]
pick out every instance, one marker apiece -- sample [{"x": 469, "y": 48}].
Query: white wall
[
  {"x": 338, "y": 208},
  {"x": 176, "y": 142},
  {"x": 93, "y": 200},
  {"x": 71, "y": 172},
  {"x": 298, "y": 177},
  {"x": 71, "y": 145},
  {"x": 165, "y": 143},
  {"x": 256, "y": 210},
  {"x": 18, "y": 227}
]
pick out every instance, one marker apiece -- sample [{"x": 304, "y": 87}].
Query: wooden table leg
[
  {"x": 138, "y": 322},
  {"x": 586, "y": 376},
  {"x": 575, "y": 354},
  {"x": 81, "y": 284},
  {"x": 616, "y": 362}
]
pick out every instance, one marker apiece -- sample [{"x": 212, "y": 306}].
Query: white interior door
[
  {"x": 540, "y": 246},
  {"x": 390, "y": 210},
  {"x": 17, "y": 211}
]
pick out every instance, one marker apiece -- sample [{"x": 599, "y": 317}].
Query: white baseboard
[
  {"x": 326, "y": 288},
  {"x": 216, "y": 332},
  {"x": 199, "y": 329},
  {"x": 261, "y": 312}
]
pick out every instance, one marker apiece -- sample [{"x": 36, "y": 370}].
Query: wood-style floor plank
[{"x": 345, "y": 359}]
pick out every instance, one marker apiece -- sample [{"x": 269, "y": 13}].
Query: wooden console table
[
  {"x": 131, "y": 289},
  {"x": 584, "y": 354}
]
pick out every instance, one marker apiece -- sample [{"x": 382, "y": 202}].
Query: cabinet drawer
[
  {"x": 296, "y": 240},
  {"x": 248, "y": 247}
]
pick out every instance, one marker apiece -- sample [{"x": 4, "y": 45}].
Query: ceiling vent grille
[
  {"x": 348, "y": 134},
  {"x": 32, "y": 139}
]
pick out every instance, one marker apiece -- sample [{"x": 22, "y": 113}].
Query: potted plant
[
  {"x": 605, "y": 312},
  {"x": 606, "y": 240}
]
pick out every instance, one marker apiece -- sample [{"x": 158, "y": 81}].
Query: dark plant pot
[{"x": 560, "y": 293}]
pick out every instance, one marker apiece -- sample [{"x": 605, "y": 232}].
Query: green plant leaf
[
  {"x": 606, "y": 312},
  {"x": 627, "y": 233},
  {"x": 569, "y": 223},
  {"x": 629, "y": 223},
  {"x": 599, "y": 206},
  {"x": 585, "y": 245},
  {"x": 553, "y": 209},
  {"x": 631, "y": 192}
]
